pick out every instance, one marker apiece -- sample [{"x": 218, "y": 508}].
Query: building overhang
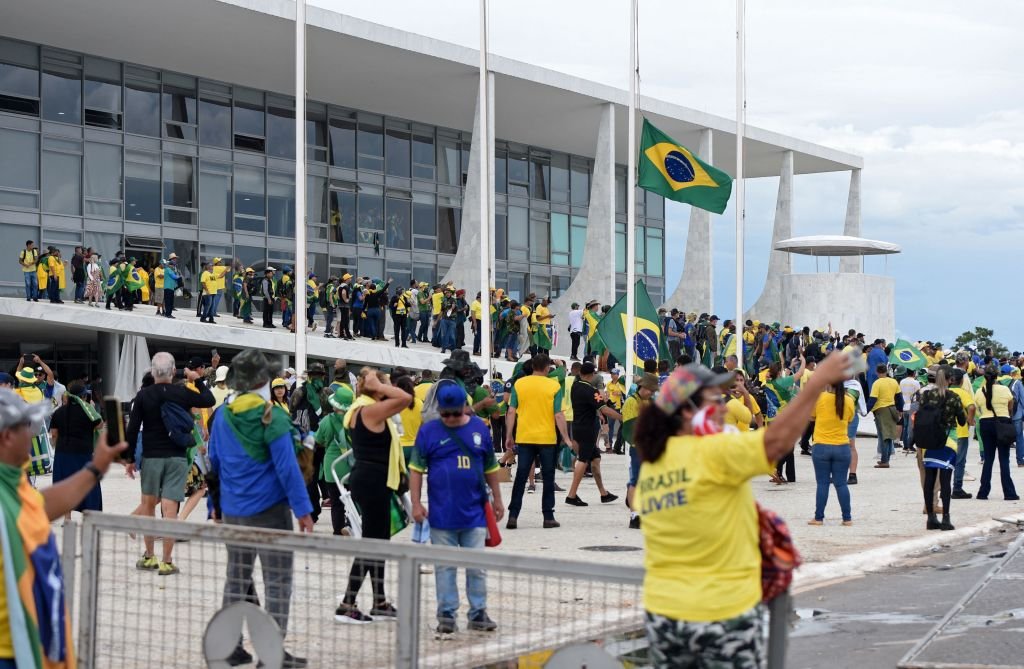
[{"x": 376, "y": 68}]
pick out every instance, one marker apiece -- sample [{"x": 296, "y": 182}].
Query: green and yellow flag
[
  {"x": 648, "y": 344},
  {"x": 674, "y": 172},
  {"x": 906, "y": 354}
]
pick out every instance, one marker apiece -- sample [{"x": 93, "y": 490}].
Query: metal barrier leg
[
  {"x": 408, "y": 613},
  {"x": 778, "y": 630},
  {"x": 90, "y": 592},
  {"x": 68, "y": 556}
]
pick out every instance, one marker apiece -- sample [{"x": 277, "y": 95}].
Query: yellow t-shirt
[
  {"x": 967, "y": 401},
  {"x": 738, "y": 415},
  {"x": 474, "y": 310},
  {"x": 884, "y": 390},
  {"x": 435, "y": 303},
  {"x": 615, "y": 394},
  {"x": 158, "y": 279},
  {"x": 29, "y": 257},
  {"x": 144, "y": 276},
  {"x": 209, "y": 282},
  {"x": 218, "y": 274},
  {"x": 542, "y": 315},
  {"x": 421, "y": 390},
  {"x": 700, "y": 526},
  {"x": 525, "y": 311},
  {"x": 411, "y": 421},
  {"x": 829, "y": 428},
  {"x": 1001, "y": 397},
  {"x": 566, "y": 398},
  {"x": 536, "y": 400}
]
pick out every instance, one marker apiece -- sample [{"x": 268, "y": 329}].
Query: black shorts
[{"x": 587, "y": 441}]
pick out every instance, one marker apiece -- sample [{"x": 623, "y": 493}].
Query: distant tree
[{"x": 982, "y": 338}]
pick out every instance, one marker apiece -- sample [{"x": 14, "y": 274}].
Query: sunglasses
[{"x": 449, "y": 414}]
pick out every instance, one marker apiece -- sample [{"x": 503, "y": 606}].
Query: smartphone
[
  {"x": 213, "y": 353},
  {"x": 115, "y": 420}
]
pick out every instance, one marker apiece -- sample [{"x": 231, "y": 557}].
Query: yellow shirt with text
[
  {"x": 209, "y": 282},
  {"x": 700, "y": 526}
]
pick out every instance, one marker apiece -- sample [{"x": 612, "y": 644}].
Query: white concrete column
[
  {"x": 490, "y": 171},
  {"x": 592, "y": 280},
  {"x": 694, "y": 293},
  {"x": 108, "y": 349},
  {"x": 852, "y": 225},
  {"x": 768, "y": 307}
]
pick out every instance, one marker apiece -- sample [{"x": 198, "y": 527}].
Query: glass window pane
[
  {"x": 423, "y": 157},
  {"x": 142, "y": 109},
  {"x": 23, "y": 172},
  {"x": 540, "y": 240},
  {"x": 249, "y": 115},
  {"x": 343, "y": 216},
  {"x": 316, "y": 200},
  {"x": 579, "y": 240},
  {"x": 655, "y": 253},
  {"x": 179, "y": 181},
  {"x": 180, "y": 104},
  {"x": 281, "y": 204},
  {"x": 214, "y": 196},
  {"x": 518, "y": 228},
  {"x": 249, "y": 190},
  {"x": 62, "y": 97},
  {"x": 424, "y": 218},
  {"x": 518, "y": 175},
  {"x": 500, "y": 243},
  {"x": 102, "y": 84},
  {"x": 13, "y": 238},
  {"x": 638, "y": 243},
  {"x": 448, "y": 161},
  {"x": 62, "y": 183},
  {"x": 280, "y": 132},
  {"x": 246, "y": 224},
  {"x": 398, "y": 224},
  {"x": 103, "y": 171},
  {"x": 620, "y": 193},
  {"x": 559, "y": 177},
  {"x": 316, "y": 125},
  {"x": 559, "y": 233},
  {"x": 580, "y": 184},
  {"x": 371, "y": 143},
  {"x": 142, "y": 187},
  {"x": 540, "y": 175},
  {"x": 343, "y": 143},
  {"x": 424, "y": 243},
  {"x": 19, "y": 81},
  {"x": 102, "y": 103},
  {"x": 449, "y": 225},
  {"x": 397, "y": 145},
  {"x": 214, "y": 123},
  {"x": 620, "y": 252},
  {"x": 426, "y": 273},
  {"x": 371, "y": 210}
]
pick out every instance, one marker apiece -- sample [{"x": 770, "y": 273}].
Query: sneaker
[
  {"x": 961, "y": 494},
  {"x": 531, "y": 488},
  {"x": 167, "y": 569},
  {"x": 575, "y": 501},
  {"x": 383, "y": 610},
  {"x": 446, "y": 626},
  {"x": 291, "y": 662},
  {"x": 549, "y": 524},
  {"x": 851, "y": 479},
  {"x": 559, "y": 488},
  {"x": 882, "y": 465},
  {"x": 148, "y": 563},
  {"x": 608, "y": 497},
  {"x": 325, "y": 503},
  {"x": 238, "y": 657},
  {"x": 481, "y": 622},
  {"x": 348, "y": 613},
  {"x": 634, "y": 523}
]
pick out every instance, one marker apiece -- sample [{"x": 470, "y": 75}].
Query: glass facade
[{"x": 120, "y": 156}]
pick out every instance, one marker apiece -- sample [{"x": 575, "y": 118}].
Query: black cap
[
  {"x": 587, "y": 368},
  {"x": 195, "y": 362}
]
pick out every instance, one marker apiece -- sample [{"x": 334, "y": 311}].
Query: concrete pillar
[
  {"x": 465, "y": 269},
  {"x": 108, "y": 349},
  {"x": 490, "y": 170},
  {"x": 852, "y": 226},
  {"x": 768, "y": 307},
  {"x": 694, "y": 292},
  {"x": 595, "y": 279}
]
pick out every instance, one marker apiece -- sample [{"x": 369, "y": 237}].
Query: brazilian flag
[
  {"x": 674, "y": 172},
  {"x": 114, "y": 282},
  {"x": 906, "y": 354},
  {"x": 133, "y": 281},
  {"x": 594, "y": 341},
  {"x": 648, "y": 344}
]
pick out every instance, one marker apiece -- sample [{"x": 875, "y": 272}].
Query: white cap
[
  {"x": 290, "y": 370},
  {"x": 222, "y": 373}
]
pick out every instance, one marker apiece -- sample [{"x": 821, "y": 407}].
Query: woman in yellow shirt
[
  {"x": 158, "y": 289},
  {"x": 994, "y": 402},
  {"x": 279, "y": 394},
  {"x": 831, "y": 453}
]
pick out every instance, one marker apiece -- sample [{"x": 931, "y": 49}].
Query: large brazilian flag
[
  {"x": 674, "y": 172},
  {"x": 648, "y": 344}
]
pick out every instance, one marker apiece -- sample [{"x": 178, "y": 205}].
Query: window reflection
[
  {"x": 371, "y": 210},
  {"x": 281, "y": 204},
  {"x": 62, "y": 179},
  {"x": 142, "y": 109},
  {"x": 142, "y": 186},
  {"x": 179, "y": 183},
  {"x": 215, "y": 122},
  {"x": 249, "y": 190},
  {"x": 448, "y": 161},
  {"x": 449, "y": 225},
  {"x": 343, "y": 216},
  {"x": 215, "y": 195},
  {"x": 343, "y": 142},
  {"x": 398, "y": 236},
  {"x": 280, "y": 132},
  {"x": 423, "y": 157},
  {"x": 397, "y": 145},
  {"x": 371, "y": 143},
  {"x": 62, "y": 97}
]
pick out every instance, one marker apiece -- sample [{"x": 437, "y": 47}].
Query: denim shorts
[{"x": 851, "y": 431}]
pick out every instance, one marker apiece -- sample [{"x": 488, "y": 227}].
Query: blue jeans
[
  {"x": 445, "y": 577},
  {"x": 963, "y": 445},
  {"x": 1019, "y": 424},
  {"x": 634, "y": 466},
  {"x": 612, "y": 425},
  {"x": 216, "y": 303},
  {"x": 207, "y": 306},
  {"x": 31, "y": 285},
  {"x": 424, "y": 325},
  {"x": 371, "y": 322},
  {"x": 329, "y": 319},
  {"x": 528, "y": 454},
  {"x": 79, "y": 291},
  {"x": 286, "y": 316},
  {"x": 447, "y": 337},
  {"x": 831, "y": 466},
  {"x": 885, "y": 446}
]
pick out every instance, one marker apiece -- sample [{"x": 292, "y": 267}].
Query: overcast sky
[{"x": 930, "y": 93}]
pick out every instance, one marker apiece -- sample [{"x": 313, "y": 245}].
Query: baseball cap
[
  {"x": 649, "y": 381},
  {"x": 6, "y": 379},
  {"x": 222, "y": 373},
  {"x": 684, "y": 383},
  {"x": 587, "y": 368},
  {"x": 15, "y": 411},
  {"x": 195, "y": 362},
  {"x": 450, "y": 396}
]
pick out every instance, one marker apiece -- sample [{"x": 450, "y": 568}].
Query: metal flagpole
[
  {"x": 631, "y": 197},
  {"x": 486, "y": 185},
  {"x": 741, "y": 112},
  {"x": 299, "y": 315}
]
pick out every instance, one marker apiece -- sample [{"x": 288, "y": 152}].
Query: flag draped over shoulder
[
  {"x": 906, "y": 354},
  {"x": 594, "y": 341},
  {"x": 541, "y": 337},
  {"x": 33, "y": 583},
  {"x": 674, "y": 172},
  {"x": 648, "y": 343}
]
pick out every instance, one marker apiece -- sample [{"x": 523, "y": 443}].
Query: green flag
[
  {"x": 674, "y": 172},
  {"x": 906, "y": 354},
  {"x": 648, "y": 343}
]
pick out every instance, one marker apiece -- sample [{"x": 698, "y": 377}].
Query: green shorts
[{"x": 164, "y": 478}]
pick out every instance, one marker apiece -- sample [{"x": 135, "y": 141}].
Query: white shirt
[
  {"x": 909, "y": 386},
  {"x": 576, "y": 320}
]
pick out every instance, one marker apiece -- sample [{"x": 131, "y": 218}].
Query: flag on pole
[
  {"x": 906, "y": 354},
  {"x": 648, "y": 344},
  {"x": 674, "y": 172}
]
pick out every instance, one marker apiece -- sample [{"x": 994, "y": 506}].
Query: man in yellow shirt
[
  {"x": 219, "y": 271},
  {"x": 474, "y": 323},
  {"x": 436, "y": 299},
  {"x": 963, "y": 432},
  {"x": 886, "y": 402},
  {"x": 55, "y": 278},
  {"x": 536, "y": 403},
  {"x": 27, "y": 260},
  {"x": 741, "y": 410},
  {"x": 208, "y": 280}
]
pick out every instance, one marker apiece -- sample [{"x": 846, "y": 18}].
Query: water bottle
[{"x": 421, "y": 532}]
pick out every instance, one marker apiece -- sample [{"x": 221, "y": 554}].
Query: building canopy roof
[{"x": 836, "y": 245}]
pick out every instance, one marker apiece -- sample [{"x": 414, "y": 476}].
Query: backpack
[
  {"x": 179, "y": 424},
  {"x": 322, "y": 298},
  {"x": 928, "y": 430}
]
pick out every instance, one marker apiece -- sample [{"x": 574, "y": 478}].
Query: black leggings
[
  {"x": 944, "y": 476},
  {"x": 338, "y": 521},
  {"x": 789, "y": 463},
  {"x": 373, "y": 497}
]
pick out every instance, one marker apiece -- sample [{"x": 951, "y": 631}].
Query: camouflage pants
[{"x": 737, "y": 643}]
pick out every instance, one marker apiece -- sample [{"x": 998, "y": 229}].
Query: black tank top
[{"x": 371, "y": 449}]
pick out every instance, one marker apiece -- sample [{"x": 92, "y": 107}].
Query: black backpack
[{"x": 928, "y": 430}]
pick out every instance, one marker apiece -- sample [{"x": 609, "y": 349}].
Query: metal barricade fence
[{"x": 133, "y": 618}]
